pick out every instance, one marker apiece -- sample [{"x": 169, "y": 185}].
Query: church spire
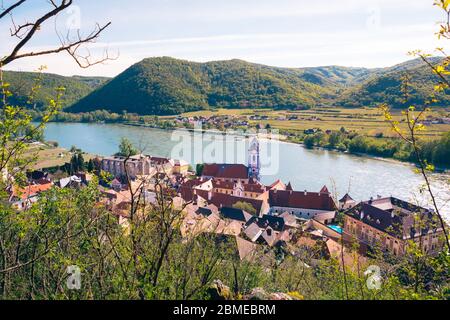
[{"x": 254, "y": 164}]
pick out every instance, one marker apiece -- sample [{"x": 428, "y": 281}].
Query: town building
[
  {"x": 143, "y": 165},
  {"x": 136, "y": 165},
  {"x": 254, "y": 161},
  {"x": 237, "y": 172},
  {"x": 346, "y": 202},
  {"x": 390, "y": 223},
  {"x": 23, "y": 198},
  {"x": 302, "y": 204},
  {"x": 253, "y": 189},
  {"x": 226, "y": 172}
]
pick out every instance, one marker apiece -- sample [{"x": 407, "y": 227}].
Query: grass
[
  {"x": 367, "y": 121},
  {"x": 48, "y": 156}
]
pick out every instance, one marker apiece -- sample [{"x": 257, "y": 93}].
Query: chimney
[
  {"x": 269, "y": 232},
  {"x": 209, "y": 195},
  {"x": 306, "y": 193},
  {"x": 362, "y": 215}
]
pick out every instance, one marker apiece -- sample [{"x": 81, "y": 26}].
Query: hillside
[
  {"x": 169, "y": 86},
  {"x": 385, "y": 86},
  {"x": 164, "y": 86},
  {"x": 76, "y": 87}
]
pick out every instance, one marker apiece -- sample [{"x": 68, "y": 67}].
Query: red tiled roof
[
  {"x": 254, "y": 187},
  {"x": 31, "y": 190},
  {"x": 229, "y": 171},
  {"x": 225, "y": 200},
  {"x": 223, "y": 184},
  {"x": 296, "y": 199},
  {"x": 276, "y": 183}
]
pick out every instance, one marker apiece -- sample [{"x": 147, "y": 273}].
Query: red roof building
[
  {"x": 302, "y": 204},
  {"x": 226, "y": 172}
]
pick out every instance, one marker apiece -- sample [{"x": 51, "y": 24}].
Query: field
[
  {"x": 368, "y": 121},
  {"x": 49, "y": 156}
]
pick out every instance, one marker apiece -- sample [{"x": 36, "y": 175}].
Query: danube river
[{"x": 306, "y": 169}]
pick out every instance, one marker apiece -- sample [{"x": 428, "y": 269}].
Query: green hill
[
  {"x": 385, "y": 86},
  {"x": 164, "y": 86},
  {"x": 170, "y": 86},
  {"x": 76, "y": 87}
]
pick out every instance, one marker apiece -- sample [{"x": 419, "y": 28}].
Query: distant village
[
  {"x": 229, "y": 199},
  {"x": 230, "y": 121}
]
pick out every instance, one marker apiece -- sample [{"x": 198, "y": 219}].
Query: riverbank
[
  {"x": 307, "y": 169},
  {"x": 285, "y": 138}
]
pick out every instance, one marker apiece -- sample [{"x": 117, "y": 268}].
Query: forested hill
[
  {"x": 166, "y": 85},
  {"x": 169, "y": 86},
  {"x": 76, "y": 87},
  {"x": 385, "y": 86}
]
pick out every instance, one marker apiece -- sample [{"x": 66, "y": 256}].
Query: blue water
[
  {"x": 335, "y": 228},
  {"x": 362, "y": 177}
]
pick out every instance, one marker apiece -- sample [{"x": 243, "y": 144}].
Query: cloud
[{"x": 290, "y": 33}]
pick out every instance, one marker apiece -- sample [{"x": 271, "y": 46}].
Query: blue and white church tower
[{"x": 254, "y": 163}]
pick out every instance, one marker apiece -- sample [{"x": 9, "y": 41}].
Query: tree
[
  {"x": 80, "y": 162},
  {"x": 414, "y": 116},
  {"x": 245, "y": 206},
  {"x": 199, "y": 169},
  {"x": 90, "y": 166},
  {"x": 126, "y": 148},
  {"x": 334, "y": 139},
  {"x": 309, "y": 141},
  {"x": 72, "y": 43}
]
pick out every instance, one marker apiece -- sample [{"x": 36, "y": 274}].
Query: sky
[{"x": 285, "y": 33}]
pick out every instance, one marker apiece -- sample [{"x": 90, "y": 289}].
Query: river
[{"x": 306, "y": 169}]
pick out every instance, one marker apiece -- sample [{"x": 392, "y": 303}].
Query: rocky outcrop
[
  {"x": 219, "y": 291},
  {"x": 261, "y": 294}
]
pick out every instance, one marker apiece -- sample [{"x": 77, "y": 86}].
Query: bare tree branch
[
  {"x": 11, "y": 8},
  {"x": 26, "y": 31}
]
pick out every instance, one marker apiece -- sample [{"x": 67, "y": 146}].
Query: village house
[
  {"x": 180, "y": 167},
  {"x": 136, "y": 165},
  {"x": 390, "y": 223},
  {"x": 23, "y": 198},
  {"x": 253, "y": 189},
  {"x": 346, "y": 202},
  {"x": 143, "y": 165},
  {"x": 70, "y": 182},
  {"x": 267, "y": 230},
  {"x": 303, "y": 204},
  {"x": 226, "y": 172}
]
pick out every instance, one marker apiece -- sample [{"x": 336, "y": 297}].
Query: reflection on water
[{"x": 306, "y": 169}]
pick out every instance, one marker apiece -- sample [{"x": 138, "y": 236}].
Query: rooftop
[
  {"x": 228, "y": 171},
  {"x": 396, "y": 217},
  {"x": 301, "y": 199}
]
